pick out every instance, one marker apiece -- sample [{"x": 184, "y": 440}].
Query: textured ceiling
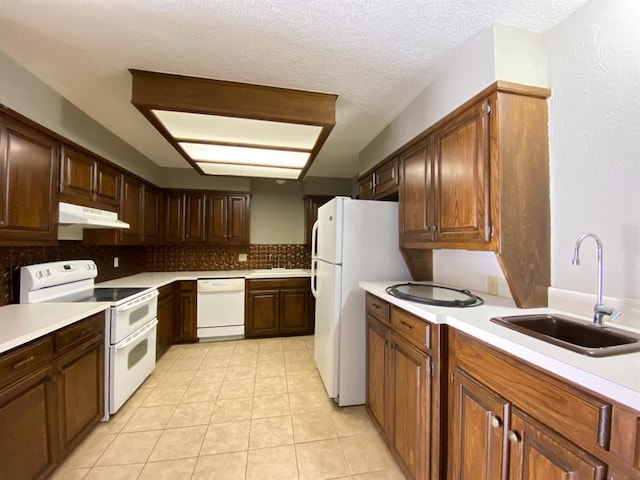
[{"x": 377, "y": 55}]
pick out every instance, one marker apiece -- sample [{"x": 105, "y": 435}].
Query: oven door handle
[
  {"x": 137, "y": 302},
  {"x": 135, "y": 336}
]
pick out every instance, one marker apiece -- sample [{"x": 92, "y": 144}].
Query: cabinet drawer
[
  {"x": 25, "y": 359},
  {"x": 260, "y": 284},
  {"x": 411, "y": 327},
  {"x": 79, "y": 332},
  {"x": 377, "y": 308}
]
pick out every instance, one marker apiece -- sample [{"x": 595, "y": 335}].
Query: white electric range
[{"x": 130, "y": 328}]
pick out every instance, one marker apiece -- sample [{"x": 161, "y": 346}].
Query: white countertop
[
  {"x": 616, "y": 377},
  {"x": 159, "y": 279},
  {"x": 22, "y": 323}
]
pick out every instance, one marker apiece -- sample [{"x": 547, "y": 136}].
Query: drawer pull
[
  {"x": 376, "y": 306},
  {"x": 406, "y": 325},
  {"x": 514, "y": 437},
  {"x": 496, "y": 422},
  {"x": 22, "y": 363}
]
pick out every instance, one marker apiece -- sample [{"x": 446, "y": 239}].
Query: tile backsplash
[{"x": 137, "y": 259}]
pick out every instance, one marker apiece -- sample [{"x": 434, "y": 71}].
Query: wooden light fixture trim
[{"x": 177, "y": 93}]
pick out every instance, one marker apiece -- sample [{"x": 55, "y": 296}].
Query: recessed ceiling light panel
[
  {"x": 248, "y": 170},
  {"x": 244, "y": 155}
]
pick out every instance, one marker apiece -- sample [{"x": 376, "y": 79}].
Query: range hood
[{"x": 73, "y": 219}]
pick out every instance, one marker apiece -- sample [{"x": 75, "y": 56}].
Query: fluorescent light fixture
[
  {"x": 248, "y": 170},
  {"x": 241, "y": 131},
  {"x": 201, "y": 152},
  {"x": 236, "y": 129}
]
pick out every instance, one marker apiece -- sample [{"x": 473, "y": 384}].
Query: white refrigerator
[{"x": 353, "y": 240}]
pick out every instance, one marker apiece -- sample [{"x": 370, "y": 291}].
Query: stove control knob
[
  {"x": 47, "y": 272},
  {"x": 88, "y": 266},
  {"x": 39, "y": 274}
]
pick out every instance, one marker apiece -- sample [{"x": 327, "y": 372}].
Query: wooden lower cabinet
[
  {"x": 28, "y": 440},
  {"x": 402, "y": 392},
  {"x": 275, "y": 307},
  {"x": 51, "y": 397},
  {"x": 164, "y": 332},
  {"x": 185, "y": 320},
  {"x": 80, "y": 392}
]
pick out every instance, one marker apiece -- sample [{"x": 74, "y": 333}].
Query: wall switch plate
[
  {"x": 242, "y": 257},
  {"x": 116, "y": 262},
  {"x": 492, "y": 285}
]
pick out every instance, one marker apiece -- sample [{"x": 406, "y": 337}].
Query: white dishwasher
[{"x": 220, "y": 308}]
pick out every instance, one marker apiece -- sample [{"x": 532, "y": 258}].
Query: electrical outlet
[
  {"x": 492, "y": 285},
  {"x": 242, "y": 257},
  {"x": 116, "y": 262}
]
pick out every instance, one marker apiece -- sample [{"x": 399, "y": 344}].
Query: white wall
[{"x": 594, "y": 125}]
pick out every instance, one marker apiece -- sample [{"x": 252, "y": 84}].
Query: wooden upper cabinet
[
  {"x": 28, "y": 176},
  {"x": 416, "y": 194},
  {"x": 381, "y": 183},
  {"x": 87, "y": 181},
  {"x": 174, "y": 217},
  {"x": 152, "y": 208},
  {"x": 461, "y": 177},
  {"x": 311, "y": 205},
  {"x": 132, "y": 210},
  {"x": 238, "y": 218},
  {"x": 217, "y": 218},
  {"x": 194, "y": 217},
  {"x": 366, "y": 187}
]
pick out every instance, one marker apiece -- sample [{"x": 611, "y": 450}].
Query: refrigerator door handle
[
  {"x": 314, "y": 240},
  {"x": 314, "y": 277}
]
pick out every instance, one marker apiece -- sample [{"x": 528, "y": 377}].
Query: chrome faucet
[{"x": 599, "y": 310}]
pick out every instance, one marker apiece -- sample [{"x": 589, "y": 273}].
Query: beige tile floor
[{"x": 247, "y": 409}]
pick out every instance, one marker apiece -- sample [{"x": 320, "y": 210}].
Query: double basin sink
[{"x": 572, "y": 334}]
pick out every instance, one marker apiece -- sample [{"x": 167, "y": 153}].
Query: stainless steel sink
[{"x": 572, "y": 334}]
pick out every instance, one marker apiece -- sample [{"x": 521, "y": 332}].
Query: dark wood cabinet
[
  {"x": 80, "y": 392},
  {"x": 174, "y": 217},
  {"x": 132, "y": 210},
  {"x": 87, "y": 181},
  {"x": 194, "y": 222},
  {"x": 416, "y": 194},
  {"x": 164, "y": 333},
  {"x": 278, "y": 307},
  {"x": 152, "y": 215},
  {"x": 51, "y": 397},
  {"x": 185, "y": 319},
  {"x": 403, "y": 357},
  {"x": 28, "y": 177},
  {"x": 227, "y": 218},
  {"x": 381, "y": 183},
  {"x": 311, "y": 205},
  {"x": 28, "y": 440}
]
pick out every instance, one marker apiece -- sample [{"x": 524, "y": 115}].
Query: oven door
[
  {"x": 130, "y": 362},
  {"x": 125, "y": 319}
]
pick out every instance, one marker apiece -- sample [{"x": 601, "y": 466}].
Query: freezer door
[
  {"x": 327, "y": 332},
  {"x": 329, "y": 234}
]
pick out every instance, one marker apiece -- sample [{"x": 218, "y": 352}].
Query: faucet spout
[{"x": 599, "y": 310}]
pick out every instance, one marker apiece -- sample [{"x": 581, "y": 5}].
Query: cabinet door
[
  {"x": 194, "y": 218},
  {"x": 77, "y": 176},
  {"x": 311, "y": 205},
  {"x": 386, "y": 178},
  {"x": 536, "y": 453},
  {"x": 28, "y": 439},
  {"x": 294, "y": 311},
  {"x": 164, "y": 335},
  {"x": 366, "y": 187},
  {"x": 131, "y": 210},
  {"x": 477, "y": 431},
  {"x": 416, "y": 195},
  {"x": 28, "y": 178},
  {"x": 377, "y": 342},
  {"x": 461, "y": 173},
  {"x": 80, "y": 392},
  {"x": 262, "y": 313},
  {"x": 238, "y": 218},
  {"x": 186, "y": 312},
  {"x": 174, "y": 217},
  {"x": 108, "y": 180},
  {"x": 151, "y": 215},
  {"x": 217, "y": 218},
  {"x": 410, "y": 384}
]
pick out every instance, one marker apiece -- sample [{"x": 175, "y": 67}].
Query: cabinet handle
[
  {"x": 434, "y": 227},
  {"x": 406, "y": 325},
  {"x": 496, "y": 421},
  {"x": 514, "y": 437},
  {"x": 22, "y": 363},
  {"x": 376, "y": 306}
]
